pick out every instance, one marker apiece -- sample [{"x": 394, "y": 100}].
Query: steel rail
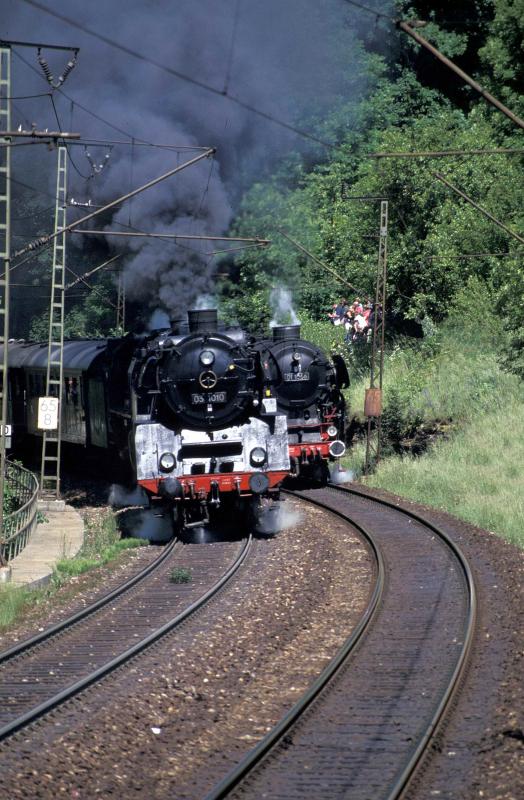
[
  {"x": 272, "y": 739},
  {"x": 58, "y": 627},
  {"x": 460, "y": 667},
  {"x": 97, "y": 675}
]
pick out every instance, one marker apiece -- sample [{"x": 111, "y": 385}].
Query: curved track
[
  {"x": 76, "y": 654},
  {"x": 53, "y": 630},
  {"x": 367, "y": 722}
]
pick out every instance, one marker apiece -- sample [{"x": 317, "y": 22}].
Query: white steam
[
  {"x": 339, "y": 474},
  {"x": 158, "y": 320},
  {"x": 122, "y": 498},
  {"x": 148, "y": 525},
  {"x": 276, "y": 517},
  {"x": 136, "y": 519},
  {"x": 205, "y": 301},
  {"x": 281, "y": 304}
]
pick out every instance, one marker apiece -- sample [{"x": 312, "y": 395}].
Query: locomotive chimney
[
  {"x": 204, "y": 321},
  {"x": 179, "y": 325},
  {"x": 281, "y": 332}
]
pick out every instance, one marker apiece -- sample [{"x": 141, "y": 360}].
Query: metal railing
[{"x": 21, "y": 489}]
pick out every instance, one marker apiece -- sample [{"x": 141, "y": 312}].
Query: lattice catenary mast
[
  {"x": 50, "y": 469},
  {"x": 373, "y": 403},
  {"x": 5, "y": 210}
]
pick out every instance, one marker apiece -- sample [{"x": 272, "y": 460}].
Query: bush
[{"x": 180, "y": 575}]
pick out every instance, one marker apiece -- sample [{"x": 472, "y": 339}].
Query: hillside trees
[{"x": 431, "y": 229}]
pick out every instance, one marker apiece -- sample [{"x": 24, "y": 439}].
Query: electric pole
[
  {"x": 6, "y": 136},
  {"x": 5, "y": 253},
  {"x": 50, "y": 406},
  {"x": 373, "y": 401}
]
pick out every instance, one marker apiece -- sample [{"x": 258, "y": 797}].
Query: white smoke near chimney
[
  {"x": 158, "y": 320},
  {"x": 281, "y": 304},
  {"x": 205, "y": 301}
]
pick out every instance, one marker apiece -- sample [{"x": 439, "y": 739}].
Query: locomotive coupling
[{"x": 258, "y": 482}]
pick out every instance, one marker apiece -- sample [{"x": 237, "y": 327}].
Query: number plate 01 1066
[{"x": 211, "y": 397}]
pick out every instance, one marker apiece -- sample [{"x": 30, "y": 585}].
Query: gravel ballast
[
  {"x": 480, "y": 753},
  {"x": 174, "y": 723}
]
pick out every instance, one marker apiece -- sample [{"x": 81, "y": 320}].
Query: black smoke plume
[{"x": 293, "y": 59}]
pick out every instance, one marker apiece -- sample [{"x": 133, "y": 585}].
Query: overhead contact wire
[
  {"x": 177, "y": 74},
  {"x": 85, "y": 177}
]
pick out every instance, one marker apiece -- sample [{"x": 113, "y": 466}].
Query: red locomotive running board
[
  {"x": 230, "y": 482},
  {"x": 315, "y": 449}
]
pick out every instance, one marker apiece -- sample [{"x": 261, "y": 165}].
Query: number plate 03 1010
[{"x": 211, "y": 397}]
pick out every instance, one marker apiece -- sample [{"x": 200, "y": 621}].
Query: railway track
[
  {"x": 41, "y": 673},
  {"x": 365, "y": 726}
]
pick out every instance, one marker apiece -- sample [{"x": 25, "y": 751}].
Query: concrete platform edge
[{"x": 61, "y": 536}]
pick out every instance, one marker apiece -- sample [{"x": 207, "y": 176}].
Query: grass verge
[
  {"x": 452, "y": 378},
  {"x": 478, "y": 475},
  {"x": 102, "y": 544}
]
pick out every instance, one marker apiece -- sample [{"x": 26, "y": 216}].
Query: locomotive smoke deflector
[{"x": 281, "y": 332}]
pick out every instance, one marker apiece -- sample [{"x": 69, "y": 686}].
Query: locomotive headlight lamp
[
  {"x": 332, "y": 431},
  {"x": 257, "y": 456},
  {"x": 167, "y": 462},
  {"x": 337, "y": 449},
  {"x": 207, "y": 357}
]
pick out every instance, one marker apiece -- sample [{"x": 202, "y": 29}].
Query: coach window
[
  {"x": 74, "y": 391},
  {"x": 71, "y": 391}
]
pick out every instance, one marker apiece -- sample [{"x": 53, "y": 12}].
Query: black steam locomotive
[
  {"x": 203, "y": 416},
  {"x": 307, "y": 387},
  {"x": 184, "y": 408},
  {"x": 203, "y": 431}
]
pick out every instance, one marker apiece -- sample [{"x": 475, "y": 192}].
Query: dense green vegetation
[
  {"x": 452, "y": 388},
  {"x": 434, "y": 236},
  {"x": 451, "y": 271},
  {"x": 476, "y": 475}
]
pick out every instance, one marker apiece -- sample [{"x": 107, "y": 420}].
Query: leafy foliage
[
  {"x": 93, "y": 318},
  {"x": 437, "y": 242}
]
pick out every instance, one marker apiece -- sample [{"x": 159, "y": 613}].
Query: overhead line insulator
[{"x": 49, "y": 75}]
